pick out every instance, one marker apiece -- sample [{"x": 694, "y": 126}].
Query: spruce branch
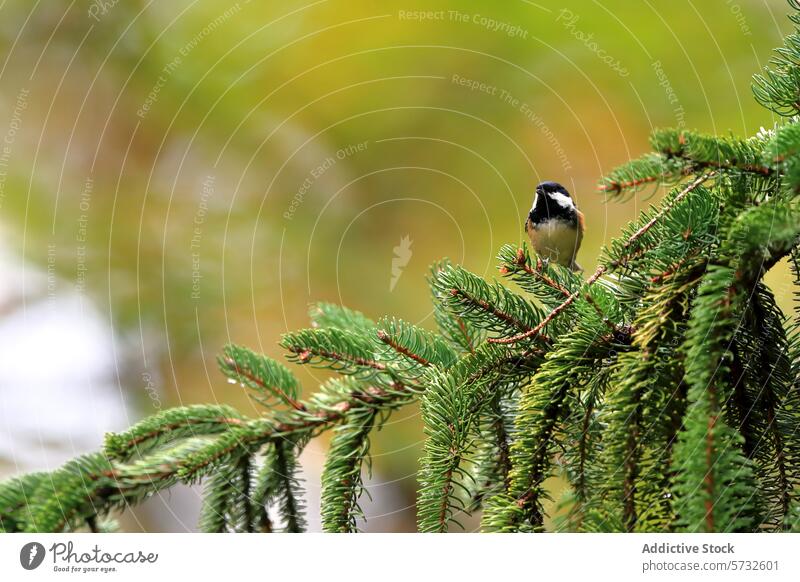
[
  {"x": 550, "y": 283},
  {"x": 645, "y": 406},
  {"x": 324, "y": 314},
  {"x": 16, "y": 497},
  {"x": 458, "y": 332},
  {"x": 651, "y": 169},
  {"x": 226, "y": 499},
  {"x": 278, "y": 483},
  {"x": 705, "y": 152},
  {"x": 265, "y": 376},
  {"x": 714, "y": 489},
  {"x": 452, "y": 407},
  {"x": 171, "y": 425},
  {"x": 778, "y": 88},
  {"x": 341, "y": 478},
  {"x": 543, "y": 404},
  {"x": 97, "y": 484},
  {"x": 337, "y": 349},
  {"x": 412, "y": 349},
  {"x": 490, "y": 307},
  {"x": 762, "y": 404}
]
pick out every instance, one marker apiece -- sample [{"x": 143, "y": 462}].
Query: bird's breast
[{"x": 555, "y": 239}]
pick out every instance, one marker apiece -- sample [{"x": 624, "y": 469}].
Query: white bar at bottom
[{"x": 410, "y": 557}]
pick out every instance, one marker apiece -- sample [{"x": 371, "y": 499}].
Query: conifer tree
[{"x": 664, "y": 388}]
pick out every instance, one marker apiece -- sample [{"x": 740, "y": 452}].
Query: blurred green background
[{"x": 184, "y": 174}]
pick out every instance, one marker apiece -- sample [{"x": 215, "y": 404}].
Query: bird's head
[
  {"x": 552, "y": 202},
  {"x": 555, "y": 192}
]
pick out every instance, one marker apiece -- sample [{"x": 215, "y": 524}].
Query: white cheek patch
[
  {"x": 535, "y": 198},
  {"x": 562, "y": 200}
]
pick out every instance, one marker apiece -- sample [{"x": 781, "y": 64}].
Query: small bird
[{"x": 555, "y": 225}]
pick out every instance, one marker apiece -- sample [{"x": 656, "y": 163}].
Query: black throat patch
[{"x": 546, "y": 209}]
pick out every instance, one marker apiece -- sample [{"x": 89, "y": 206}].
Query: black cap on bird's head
[
  {"x": 552, "y": 202},
  {"x": 552, "y": 188}
]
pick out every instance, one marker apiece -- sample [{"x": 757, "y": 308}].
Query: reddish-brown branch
[
  {"x": 718, "y": 164},
  {"x": 186, "y": 422},
  {"x": 671, "y": 270},
  {"x": 231, "y": 363},
  {"x": 550, "y": 316},
  {"x": 387, "y": 339},
  {"x": 614, "y": 186},
  {"x": 463, "y": 328},
  {"x": 487, "y": 307},
  {"x": 305, "y": 354},
  {"x": 619, "y": 331},
  {"x": 538, "y": 273},
  {"x": 683, "y": 193},
  {"x": 763, "y": 170},
  {"x": 448, "y": 487}
]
